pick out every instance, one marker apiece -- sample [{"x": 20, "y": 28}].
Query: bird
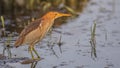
[{"x": 36, "y": 30}]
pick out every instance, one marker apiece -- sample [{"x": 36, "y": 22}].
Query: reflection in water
[{"x": 33, "y": 65}]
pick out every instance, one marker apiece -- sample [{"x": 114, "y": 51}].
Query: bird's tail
[{"x": 18, "y": 42}]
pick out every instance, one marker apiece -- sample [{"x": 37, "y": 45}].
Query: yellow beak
[{"x": 62, "y": 14}]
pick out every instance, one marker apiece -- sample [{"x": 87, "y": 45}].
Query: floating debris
[{"x": 28, "y": 61}]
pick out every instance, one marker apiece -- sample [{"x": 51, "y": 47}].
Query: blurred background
[{"x": 18, "y": 13}]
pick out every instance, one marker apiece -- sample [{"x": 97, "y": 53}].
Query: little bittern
[{"x": 35, "y": 31}]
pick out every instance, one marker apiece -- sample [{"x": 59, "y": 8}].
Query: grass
[
  {"x": 7, "y": 47},
  {"x": 3, "y": 24},
  {"x": 6, "y": 43},
  {"x": 93, "y": 41}
]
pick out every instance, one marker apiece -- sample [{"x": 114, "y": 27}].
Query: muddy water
[{"x": 75, "y": 36}]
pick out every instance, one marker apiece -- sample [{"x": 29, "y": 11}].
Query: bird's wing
[{"x": 32, "y": 26}]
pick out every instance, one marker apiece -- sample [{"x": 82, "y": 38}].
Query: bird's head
[{"x": 54, "y": 15}]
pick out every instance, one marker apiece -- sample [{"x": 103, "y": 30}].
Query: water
[{"x": 76, "y": 49}]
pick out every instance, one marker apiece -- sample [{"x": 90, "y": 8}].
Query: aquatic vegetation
[
  {"x": 3, "y": 25},
  {"x": 6, "y": 43},
  {"x": 93, "y": 40},
  {"x": 7, "y": 46}
]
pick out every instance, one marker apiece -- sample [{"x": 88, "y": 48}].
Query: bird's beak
[{"x": 62, "y": 14}]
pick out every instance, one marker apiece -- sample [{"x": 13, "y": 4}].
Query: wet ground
[{"x": 75, "y": 37}]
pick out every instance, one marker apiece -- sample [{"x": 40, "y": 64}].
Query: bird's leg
[
  {"x": 31, "y": 49},
  {"x": 36, "y": 52}
]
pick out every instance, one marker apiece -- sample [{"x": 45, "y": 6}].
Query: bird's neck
[
  {"x": 47, "y": 22},
  {"x": 49, "y": 18}
]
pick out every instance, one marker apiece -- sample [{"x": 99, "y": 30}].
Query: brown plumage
[
  {"x": 35, "y": 31},
  {"x": 28, "y": 29}
]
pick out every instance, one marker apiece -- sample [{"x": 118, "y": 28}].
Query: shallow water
[{"x": 76, "y": 49}]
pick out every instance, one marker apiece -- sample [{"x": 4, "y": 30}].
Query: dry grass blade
[
  {"x": 71, "y": 10},
  {"x": 3, "y": 23},
  {"x": 93, "y": 41},
  {"x": 7, "y": 47},
  {"x": 7, "y": 43}
]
